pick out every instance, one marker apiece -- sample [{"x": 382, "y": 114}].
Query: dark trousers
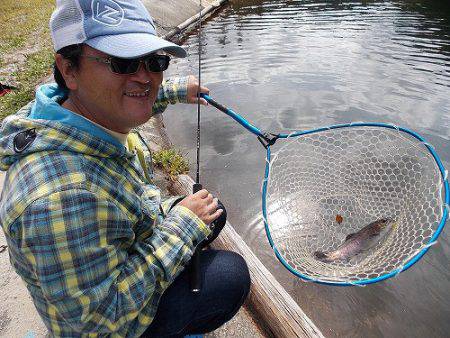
[{"x": 225, "y": 285}]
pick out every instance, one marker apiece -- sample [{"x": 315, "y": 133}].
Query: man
[{"x": 101, "y": 253}]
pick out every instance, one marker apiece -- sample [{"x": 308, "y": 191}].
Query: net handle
[
  {"x": 250, "y": 127},
  {"x": 235, "y": 116}
]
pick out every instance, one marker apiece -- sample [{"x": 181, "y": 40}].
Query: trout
[{"x": 358, "y": 242}]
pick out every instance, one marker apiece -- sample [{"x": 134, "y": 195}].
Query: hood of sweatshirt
[{"x": 44, "y": 125}]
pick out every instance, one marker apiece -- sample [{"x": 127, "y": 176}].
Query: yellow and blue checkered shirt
[{"x": 89, "y": 234}]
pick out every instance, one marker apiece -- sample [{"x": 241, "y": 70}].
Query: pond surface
[{"x": 290, "y": 65}]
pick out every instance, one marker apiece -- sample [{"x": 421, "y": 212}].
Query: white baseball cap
[{"x": 116, "y": 27}]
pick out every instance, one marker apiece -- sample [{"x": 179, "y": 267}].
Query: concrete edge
[{"x": 190, "y": 23}]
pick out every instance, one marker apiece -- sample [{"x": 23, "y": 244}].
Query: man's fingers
[
  {"x": 193, "y": 91},
  {"x": 202, "y": 193},
  {"x": 209, "y": 199},
  {"x": 212, "y": 207},
  {"x": 204, "y": 90},
  {"x": 215, "y": 203},
  {"x": 202, "y": 101},
  {"x": 214, "y": 216}
]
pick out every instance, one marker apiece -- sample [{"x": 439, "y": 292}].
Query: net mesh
[{"x": 326, "y": 185}]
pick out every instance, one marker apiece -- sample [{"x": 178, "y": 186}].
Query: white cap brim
[{"x": 134, "y": 45}]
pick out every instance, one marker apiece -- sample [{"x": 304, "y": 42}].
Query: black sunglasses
[{"x": 153, "y": 63}]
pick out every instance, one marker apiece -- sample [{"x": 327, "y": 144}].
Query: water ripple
[{"x": 293, "y": 65}]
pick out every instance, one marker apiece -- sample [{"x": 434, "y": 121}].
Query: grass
[
  {"x": 36, "y": 67},
  {"x": 172, "y": 162},
  {"x": 25, "y": 26},
  {"x": 19, "y": 18}
]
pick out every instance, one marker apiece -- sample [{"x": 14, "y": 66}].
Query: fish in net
[{"x": 350, "y": 204}]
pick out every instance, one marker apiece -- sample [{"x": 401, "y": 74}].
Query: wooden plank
[
  {"x": 269, "y": 303},
  {"x": 268, "y": 300}
]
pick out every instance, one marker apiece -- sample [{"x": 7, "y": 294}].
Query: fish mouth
[
  {"x": 326, "y": 257},
  {"x": 329, "y": 257},
  {"x": 320, "y": 255},
  {"x": 387, "y": 222}
]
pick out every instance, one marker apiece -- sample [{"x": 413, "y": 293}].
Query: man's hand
[
  {"x": 203, "y": 205},
  {"x": 192, "y": 91}
]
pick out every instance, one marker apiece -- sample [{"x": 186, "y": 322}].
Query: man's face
[{"x": 118, "y": 102}]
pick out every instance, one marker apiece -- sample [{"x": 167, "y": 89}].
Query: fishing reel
[{"x": 216, "y": 226}]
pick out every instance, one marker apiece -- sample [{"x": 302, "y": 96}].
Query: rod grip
[
  {"x": 214, "y": 103},
  {"x": 195, "y": 280},
  {"x": 197, "y": 187}
]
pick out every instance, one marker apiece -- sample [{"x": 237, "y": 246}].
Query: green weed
[
  {"x": 25, "y": 25},
  {"x": 172, "y": 162},
  {"x": 38, "y": 65}
]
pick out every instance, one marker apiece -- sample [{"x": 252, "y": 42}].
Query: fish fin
[{"x": 349, "y": 236}]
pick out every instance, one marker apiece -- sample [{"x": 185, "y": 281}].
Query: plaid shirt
[{"x": 91, "y": 237}]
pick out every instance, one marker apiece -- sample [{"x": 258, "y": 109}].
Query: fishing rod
[{"x": 195, "y": 280}]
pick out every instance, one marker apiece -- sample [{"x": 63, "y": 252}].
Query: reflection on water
[{"x": 289, "y": 65}]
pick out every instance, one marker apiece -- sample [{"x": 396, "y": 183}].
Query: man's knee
[
  {"x": 232, "y": 279},
  {"x": 242, "y": 280}
]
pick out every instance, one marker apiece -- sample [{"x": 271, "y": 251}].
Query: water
[{"x": 289, "y": 65}]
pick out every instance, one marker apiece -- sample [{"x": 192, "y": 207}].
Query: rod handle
[{"x": 195, "y": 280}]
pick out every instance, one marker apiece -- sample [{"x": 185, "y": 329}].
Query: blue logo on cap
[{"x": 107, "y": 12}]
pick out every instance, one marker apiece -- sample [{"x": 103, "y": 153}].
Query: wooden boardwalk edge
[
  {"x": 268, "y": 300},
  {"x": 269, "y": 303}
]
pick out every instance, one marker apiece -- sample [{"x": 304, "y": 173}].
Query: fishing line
[{"x": 198, "y": 91}]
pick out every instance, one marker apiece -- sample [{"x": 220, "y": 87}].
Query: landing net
[{"x": 325, "y": 185}]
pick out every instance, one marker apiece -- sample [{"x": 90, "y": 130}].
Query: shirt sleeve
[
  {"x": 94, "y": 273},
  {"x": 168, "y": 203},
  {"x": 172, "y": 90}
]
